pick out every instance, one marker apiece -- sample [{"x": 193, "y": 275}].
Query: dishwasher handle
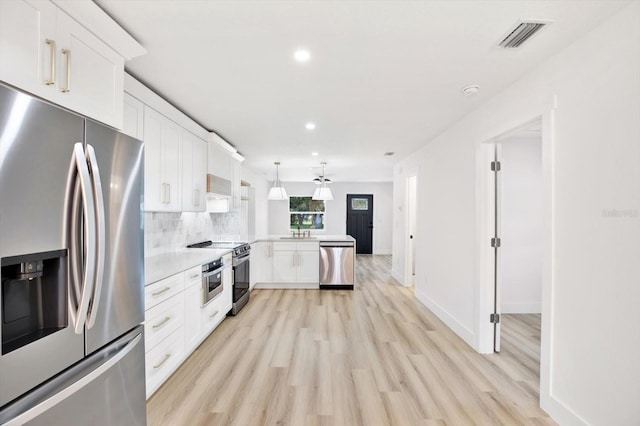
[{"x": 336, "y": 244}]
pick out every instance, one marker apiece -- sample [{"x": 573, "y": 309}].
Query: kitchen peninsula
[{"x": 286, "y": 262}]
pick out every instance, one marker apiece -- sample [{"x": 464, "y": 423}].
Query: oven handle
[
  {"x": 240, "y": 261},
  {"x": 215, "y": 271}
]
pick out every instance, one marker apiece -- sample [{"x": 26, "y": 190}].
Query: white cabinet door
[
  {"x": 162, "y": 163},
  {"x": 192, "y": 299},
  {"x": 227, "y": 292},
  {"x": 172, "y": 164},
  {"x": 263, "y": 262},
  {"x": 133, "y": 117},
  {"x": 236, "y": 197},
  {"x": 194, "y": 173},
  {"x": 90, "y": 75},
  {"x": 308, "y": 264},
  {"x": 154, "y": 187},
  {"x": 28, "y": 45},
  {"x": 284, "y": 266},
  {"x": 220, "y": 161}
]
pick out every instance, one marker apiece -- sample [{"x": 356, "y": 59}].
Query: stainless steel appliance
[
  {"x": 241, "y": 267},
  {"x": 71, "y": 257},
  {"x": 212, "y": 280},
  {"x": 336, "y": 265}
]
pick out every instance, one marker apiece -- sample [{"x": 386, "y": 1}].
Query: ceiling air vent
[{"x": 521, "y": 33}]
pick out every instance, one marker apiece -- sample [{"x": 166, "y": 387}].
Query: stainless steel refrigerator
[{"x": 71, "y": 254}]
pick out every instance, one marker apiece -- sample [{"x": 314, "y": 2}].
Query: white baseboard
[
  {"x": 456, "y": 326},
  {"x": 559, "y": 412},
  {"x": 521, "y": 308}
]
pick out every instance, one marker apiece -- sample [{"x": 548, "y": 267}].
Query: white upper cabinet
[
  {"x": 162, "y": 163},
  {"x": 27, "y": 45},
  {"x": 220, "y": 162},
  {"x": 90, "y": 75},
  {"x": 45, "y": 51},
  {"x": 194, "y": 173},
  {"x": 132, "y": 117}
]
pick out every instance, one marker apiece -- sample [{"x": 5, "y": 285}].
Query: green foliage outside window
[{"x": 305, "y": 213}]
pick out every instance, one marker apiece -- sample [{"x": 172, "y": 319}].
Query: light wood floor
[{"x": 374, "y": 356}]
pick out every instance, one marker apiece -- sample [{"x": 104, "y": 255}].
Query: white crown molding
[{"x": 94, "y": 19}]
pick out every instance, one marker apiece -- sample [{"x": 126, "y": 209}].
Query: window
[{"x": 305, "y": 213}]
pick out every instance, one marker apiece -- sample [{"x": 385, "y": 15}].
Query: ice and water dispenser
[{"x": 34, "y": 297}]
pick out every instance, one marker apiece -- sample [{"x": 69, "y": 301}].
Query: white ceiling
[{"x": 384, "y": 75}]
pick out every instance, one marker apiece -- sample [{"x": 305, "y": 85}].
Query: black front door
[{"x": 360, "y": 221}]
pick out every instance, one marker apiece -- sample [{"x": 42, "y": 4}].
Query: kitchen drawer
[
  {"x": 212, "y": 314},
  {"x": 162, "y": 360},
  {"x": 308, "y": 246},
  {"x": 284, "y": 246},
  {"x": 193, "y": 277},
  {"x": 162, "y": 320},
  {"x": 163, "y": 290}
]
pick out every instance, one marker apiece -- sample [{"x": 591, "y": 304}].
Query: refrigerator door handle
[
  {"x": 100, "y": 238},
  {"x": 88, "y": 209},
  {"x": 75, "y": 386}
]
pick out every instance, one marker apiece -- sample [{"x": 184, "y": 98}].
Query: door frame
[
  {"x": 485, "y": 196},
  {"x": 409, "y": 256}
]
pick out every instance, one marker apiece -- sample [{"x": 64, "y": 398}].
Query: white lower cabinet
[
  {"x": 308, "y": 266},
  {"x": 176, "y": 322},
  {"x": 295, "y": 262},
  {"x": 163, "y": 319},
  {"x": 261, "y": 262},
  {"x": 211, "y": 314},
  {"x": 163, "y": 359},
  {"x": 284, "y": 266}
]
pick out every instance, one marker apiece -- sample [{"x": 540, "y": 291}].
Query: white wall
[
  {"x": 589, "y": 97},
  {"x": 261, "y": 187},
  {"x": 521, "y": 225},
  {"x": 336, "y": 210}
]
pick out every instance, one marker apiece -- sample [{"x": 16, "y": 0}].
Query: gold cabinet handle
[
  {"x": 67, "y": 53},
  {"x": 161, "y": 323},
  {"x": 158, "y": 293},
  {"x": 169, "y": 192},
  {"x": 213, "y": 314},
  {"x": 166, "y": 358},
  {"x": 52, "y": 72}
]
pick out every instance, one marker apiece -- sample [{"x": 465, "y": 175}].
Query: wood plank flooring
[{"x": 373, "y": 356}]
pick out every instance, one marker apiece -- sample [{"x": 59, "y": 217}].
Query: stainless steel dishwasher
[{"x": 337, "y": 264}]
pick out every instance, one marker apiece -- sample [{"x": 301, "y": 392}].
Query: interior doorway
[
  {"x": 411, "y": 203},
  {"x": 518, "y": 227},
  {"x": 360, "y": 221}
]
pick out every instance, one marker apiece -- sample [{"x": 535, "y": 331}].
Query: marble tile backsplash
[{"x": 165, "y": 232}]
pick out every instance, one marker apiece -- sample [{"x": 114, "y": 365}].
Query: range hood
[{"x": 218, "y": 187}]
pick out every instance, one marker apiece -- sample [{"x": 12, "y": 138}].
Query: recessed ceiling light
[
  {"x": 470, "y": 90},
  {"x": 315, "y": 154},
  {"x": 302, "y": 55},
  {"x": 310, "y": 126}
]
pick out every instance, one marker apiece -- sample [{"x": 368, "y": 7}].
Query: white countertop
[
  {"x": 314, "y": 237},
  {"x": 165, "y": 265}
]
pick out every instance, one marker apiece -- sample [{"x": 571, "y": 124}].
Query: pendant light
[
  {"x": 277, "y": 191},
  {"x": 322, "y": 193}
]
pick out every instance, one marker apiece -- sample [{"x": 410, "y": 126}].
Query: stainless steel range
[{"x": 241, "y": 267}]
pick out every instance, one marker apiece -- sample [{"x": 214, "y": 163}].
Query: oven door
[
  {"x": 211, "y": 285},
  {"x": 241, "y": 268}
]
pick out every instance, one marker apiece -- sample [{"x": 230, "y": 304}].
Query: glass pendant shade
[
  {"x": 322, "y": 193},
  {"x": 277, "y": 191}
]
